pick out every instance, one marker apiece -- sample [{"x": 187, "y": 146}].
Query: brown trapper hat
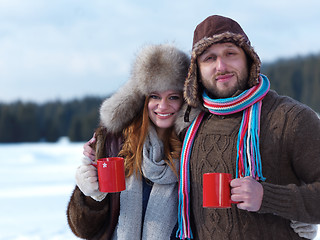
[{"x": 217, "y": 29}]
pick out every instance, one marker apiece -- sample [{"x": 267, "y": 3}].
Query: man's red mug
[
  {"x": 217, "y": 190},
  {"x": 111, "y": 174}
]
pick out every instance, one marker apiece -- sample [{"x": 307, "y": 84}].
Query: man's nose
[{"x": 220, "y": 64}]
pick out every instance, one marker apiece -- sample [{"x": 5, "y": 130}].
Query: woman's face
[{"x": 163, "y": 108}]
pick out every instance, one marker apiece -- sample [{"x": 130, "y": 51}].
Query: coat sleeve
[
  {"x": 292, "y": 201},
  {"x": 90, "y": 219},
  {"x": 87, "y": 217}
]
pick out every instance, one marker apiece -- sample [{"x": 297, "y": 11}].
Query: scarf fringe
[{"x": 184, "y": 228}]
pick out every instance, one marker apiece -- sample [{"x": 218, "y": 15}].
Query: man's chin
[{"x": 223, "y": 94}]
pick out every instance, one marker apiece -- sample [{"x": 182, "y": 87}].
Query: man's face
[{"x": 223, "y": 70}]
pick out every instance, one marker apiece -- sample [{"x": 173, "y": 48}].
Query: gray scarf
[{"x": 162, "y": 209}]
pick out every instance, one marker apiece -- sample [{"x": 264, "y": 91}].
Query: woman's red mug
[
  {"x": 217, "y": 190},
  {"x": 111, "y": 174}
]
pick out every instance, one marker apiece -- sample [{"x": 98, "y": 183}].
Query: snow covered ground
[{"x": 36, "y": 181}]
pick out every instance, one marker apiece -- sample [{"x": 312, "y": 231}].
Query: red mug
[
  {"x": 217, "y": 190},
  {"x": 111, "y": 174}
]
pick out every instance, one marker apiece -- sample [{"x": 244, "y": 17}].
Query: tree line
[
  {"x": 31, "y": 122},
  {"x": 297, "y": 77}
]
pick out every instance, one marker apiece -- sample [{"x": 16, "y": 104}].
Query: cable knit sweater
[{"x": 290, "y": 153}]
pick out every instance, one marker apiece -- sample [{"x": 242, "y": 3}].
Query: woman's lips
[{"x": 164, "y": 115}]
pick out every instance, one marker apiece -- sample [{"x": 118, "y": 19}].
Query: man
[{"x": 269, "y": 143}]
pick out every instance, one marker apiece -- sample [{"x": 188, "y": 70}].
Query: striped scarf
[{"x": 248, "y": 162}]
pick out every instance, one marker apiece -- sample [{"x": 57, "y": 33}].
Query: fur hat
[
  {"x": 217, "y": 29},
  {"x": 156, "y": 68}
]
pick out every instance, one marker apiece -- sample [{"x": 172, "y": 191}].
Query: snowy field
[{"x": 36, "y": 181}]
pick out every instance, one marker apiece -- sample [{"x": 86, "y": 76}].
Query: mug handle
[{"x": 94, "y": 164}]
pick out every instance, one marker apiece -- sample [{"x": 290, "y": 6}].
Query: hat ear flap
[
  {"x": 191, "y": 86},
  {"x": 254, "y": 64},
  {"x": 253, "y": 76},
  {"x": 254, "y": 71}
]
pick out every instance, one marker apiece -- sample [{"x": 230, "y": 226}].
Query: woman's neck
[{"x": 161, "y": 133}]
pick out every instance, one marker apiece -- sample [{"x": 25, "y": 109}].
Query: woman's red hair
[{"x": 135, "y": 135}]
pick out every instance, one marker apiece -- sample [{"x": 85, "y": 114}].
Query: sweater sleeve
[{"x": 292, "y": 201}]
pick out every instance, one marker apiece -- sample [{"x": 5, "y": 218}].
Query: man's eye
[
  {"x": 210, "y": 58},
  {"x": 231, "y": 53}
]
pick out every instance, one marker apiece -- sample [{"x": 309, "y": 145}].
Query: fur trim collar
[{"x": 181, "y": 124}]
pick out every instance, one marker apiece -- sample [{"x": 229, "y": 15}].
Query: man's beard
[{"x": 242, "y": 84}]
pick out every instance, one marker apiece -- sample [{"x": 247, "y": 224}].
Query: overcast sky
[{"x": 66, "y": 49}]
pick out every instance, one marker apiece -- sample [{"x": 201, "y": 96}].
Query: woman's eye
[
  {"x": 154, "y": 97},
  {"x": 174, "y": 97}
]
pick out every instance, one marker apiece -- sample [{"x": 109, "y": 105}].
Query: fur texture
[
  {"x": 181, "y": 123},
  {"x": 156, "y": 68}
]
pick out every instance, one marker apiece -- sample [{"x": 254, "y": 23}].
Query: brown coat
[{"x": 88, "y": 218}]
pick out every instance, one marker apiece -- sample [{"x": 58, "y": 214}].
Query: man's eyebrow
[
  {"x": 231, "y": 45},
  {"x": 204, "y": 52}
]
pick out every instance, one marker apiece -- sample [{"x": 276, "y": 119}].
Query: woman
[{"x": 137, "y": 124}]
